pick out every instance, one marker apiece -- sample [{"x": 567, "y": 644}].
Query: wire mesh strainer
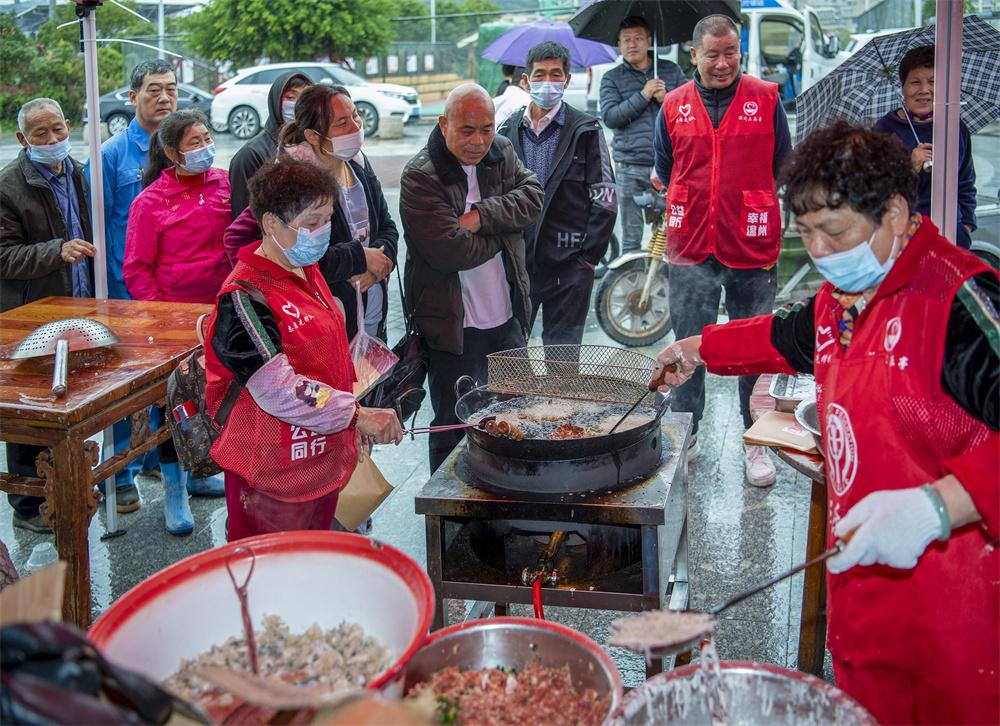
[
  {"x": 583, "y": 372},
  {"x": 59, "y": 337}
]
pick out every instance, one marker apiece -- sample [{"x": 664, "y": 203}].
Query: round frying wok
[{"x": 478, "y": 398}]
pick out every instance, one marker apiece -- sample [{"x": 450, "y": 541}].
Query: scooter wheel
[{"x": 619, "y": 314}]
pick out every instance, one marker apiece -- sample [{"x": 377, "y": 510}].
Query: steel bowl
[
  {"x": 807, "y": 415},
  {"x": 754, "y": 693},
  {"x": 513, "y": 643}
]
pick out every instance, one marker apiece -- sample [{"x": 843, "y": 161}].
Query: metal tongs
[
  {"x": 480, "y": 424},
  {"x": 241, "y": 593}
]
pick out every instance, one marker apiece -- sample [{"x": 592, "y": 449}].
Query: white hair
[{"x": 33, "y": 105}]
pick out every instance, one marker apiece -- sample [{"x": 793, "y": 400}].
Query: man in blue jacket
[
  {"x": 631, "y": 94},
  {"x": 566, "y": 150},
  {"x": 124, "y": 156}
]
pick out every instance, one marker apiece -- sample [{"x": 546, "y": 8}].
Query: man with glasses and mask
[
  {"x": 631, "y": 94},
  {"x": 124, "y": 158},
  {"x": 720, "y": 141},
  {"x": 566, "y": 150}
]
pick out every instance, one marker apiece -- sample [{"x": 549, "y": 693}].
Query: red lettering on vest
[{"x": 721, "y": 198}]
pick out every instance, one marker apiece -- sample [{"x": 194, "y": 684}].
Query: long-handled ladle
[{"x": 687, "y": 628}]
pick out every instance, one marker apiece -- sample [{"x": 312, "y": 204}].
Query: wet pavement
[{"x": 738, "y": 534}]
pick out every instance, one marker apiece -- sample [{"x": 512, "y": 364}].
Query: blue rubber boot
[
  {"x": 176, "y": 510},
  {"x": 209, "y": 486}
]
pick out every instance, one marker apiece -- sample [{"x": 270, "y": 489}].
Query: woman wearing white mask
[
  {"x": 278, "y": 368},
  {"x": 903, "y": 341},
  {"x": 174, "y": 253},
  {"x": 328, "y": 130}
]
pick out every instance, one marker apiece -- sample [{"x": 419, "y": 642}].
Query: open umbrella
[
  {"x": 670, "y": 21},
  {"x": 866, "y": 86},
  {"x": 512, "y": 47}
]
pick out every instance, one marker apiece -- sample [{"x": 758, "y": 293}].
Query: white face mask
[
  {"x": 346, "y": 147},
  {"x": 288, "y": 110}
]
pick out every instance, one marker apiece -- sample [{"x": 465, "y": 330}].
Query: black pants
[
  {"x": 633, "y": 179},
  {"x": 564, "y": 297},
  {"x": 445, "y": 368},
  {"x": 694, "y": 303},
  {"x": 21, "y": 460}
]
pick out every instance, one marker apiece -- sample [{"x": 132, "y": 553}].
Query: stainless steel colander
[{"x": 59, "y": 337}]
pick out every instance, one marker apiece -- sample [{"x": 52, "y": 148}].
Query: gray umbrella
[{"x": 866, "y": 86}]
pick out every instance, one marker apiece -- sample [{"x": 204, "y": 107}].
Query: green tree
[
  {"x": 244, "y": 31},
  {"x": 48, "y": 67},
  {"x": 454, "y": 29},
  {"x": 412, "y": 30}
]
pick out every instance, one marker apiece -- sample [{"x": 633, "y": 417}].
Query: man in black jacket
[
  {"x": 45, "y": 246},
  {"x": 281, "y": 108},
  {"x": 631, "y": 94},
  {"x": 566, "y": 150},
  {"x": 465, "y": 202}
]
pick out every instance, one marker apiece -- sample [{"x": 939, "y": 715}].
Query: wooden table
[
  {"x": 105, "y": 385},
  {"x": 812, "y": 627}
]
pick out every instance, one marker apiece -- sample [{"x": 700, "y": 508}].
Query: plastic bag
[{"x": 372, "y": 359}]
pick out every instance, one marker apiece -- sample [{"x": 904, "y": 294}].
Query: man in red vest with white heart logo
[{"x": 719, "y": 142}]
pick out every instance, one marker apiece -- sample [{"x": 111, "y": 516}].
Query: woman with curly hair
[
  {"x": 278, "y": 368},
  {"x": 903, "y": 341}
]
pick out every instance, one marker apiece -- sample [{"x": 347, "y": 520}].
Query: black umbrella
[{"x": 670, "y": 21}]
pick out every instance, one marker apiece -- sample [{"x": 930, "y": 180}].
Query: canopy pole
[
  {"x": 89, "y": 28},
  {"x": 947, "y": 111}
]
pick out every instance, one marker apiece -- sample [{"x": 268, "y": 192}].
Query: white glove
[
  {"x": 891, "y": 527},
  {"x": 683, "y": 354}
]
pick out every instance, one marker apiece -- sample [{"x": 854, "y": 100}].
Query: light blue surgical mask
[
  {"x": 309, "y": 246},
  {"x": 199, "y": 160},
  {"x": 547, "y": 94},
  {"x": 288, "y": 110},
  {"x": 856, "y": 269},
  {"x": 50, "y": 153}
]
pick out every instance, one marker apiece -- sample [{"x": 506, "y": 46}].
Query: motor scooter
[{"x": 631, "y": 302}]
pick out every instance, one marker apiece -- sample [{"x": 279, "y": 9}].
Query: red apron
[
  {"x": 286, "y": 462},
  {"x": 888, "y": 424},
  {"x": 721, "y": 198}
]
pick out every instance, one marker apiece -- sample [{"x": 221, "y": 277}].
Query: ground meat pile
[
  {"x": 536, "y": 695},
  {"x": 338, "y": 658}
]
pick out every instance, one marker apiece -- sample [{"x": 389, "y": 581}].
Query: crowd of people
[{"x": 504, "y": 220}]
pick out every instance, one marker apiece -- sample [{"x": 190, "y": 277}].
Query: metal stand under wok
[{"x": 646, "y": 522}]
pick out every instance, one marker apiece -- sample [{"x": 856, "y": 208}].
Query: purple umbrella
[{"x": 512, "y": 47}]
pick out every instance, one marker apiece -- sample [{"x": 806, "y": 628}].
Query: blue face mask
[
  {"x": 547, "y": 94},
  {"x": 856, "y": 269},
  {"x": 309, "y": 246},
  {"x": 288, "y": 110},
  {"x": 50, "y": 153},
  {"x": 199, "y": 160}
]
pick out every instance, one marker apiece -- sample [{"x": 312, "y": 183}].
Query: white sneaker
[
  {"x": 759, "y": 467},
  {"x": 693, "y": 449}
]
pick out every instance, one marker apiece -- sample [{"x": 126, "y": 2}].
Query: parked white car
[{"x": 240, "y": 104}]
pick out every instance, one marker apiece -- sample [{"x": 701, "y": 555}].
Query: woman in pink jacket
[
  {"x": 174, "y": 253},
  {"x": 173, "y": 245}
]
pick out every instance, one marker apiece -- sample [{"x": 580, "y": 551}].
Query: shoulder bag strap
[{"x": 235, "y": 389}]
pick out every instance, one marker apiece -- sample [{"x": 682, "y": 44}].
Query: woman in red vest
[
  {"x": 279, "y": 368},
  {"x": 903, "y": 339}
]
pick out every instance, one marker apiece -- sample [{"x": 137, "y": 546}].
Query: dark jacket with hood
[
  {"x": 32, "y": 233},
  {"x": 261, "y": 147},
  {"x": 432, "y": 198},
  {"x": 580, "y": 206},
  {"x": 345, "y": 258}
]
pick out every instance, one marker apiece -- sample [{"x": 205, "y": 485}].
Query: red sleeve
[
  {"x": 979, "y": 473},
  {"x": 242, "y": 232},
  {"x": 741, "y": 348}
]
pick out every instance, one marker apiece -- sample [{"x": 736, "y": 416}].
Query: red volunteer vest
[
  {"x": 721, "y": 198},
  {"x": 287, "y": 462},
  {"x": 888, "y": 424}
]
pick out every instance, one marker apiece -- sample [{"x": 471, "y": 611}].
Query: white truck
[{"x": 780, "y": 44}]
